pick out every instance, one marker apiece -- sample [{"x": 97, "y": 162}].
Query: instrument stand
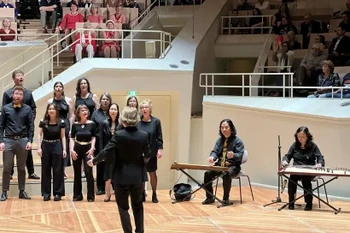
[
  {"x": 201, "y": 186},
  {"x": 336, "y": 211},
  {"x": 279, "y": 178}
]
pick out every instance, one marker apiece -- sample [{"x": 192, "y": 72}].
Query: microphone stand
[{"x": 279, "y": 178}]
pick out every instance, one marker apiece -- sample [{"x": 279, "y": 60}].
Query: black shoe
[
  {"x": 23, "y": 195},
  {"x": 308, "y": 207},
  {"x": 100, "y": 192},
  {"x": 154, "y": 198},
  {"x": 3, "y": 196},
  {"x": 46, "y": 198},
  {"x": 57, "y": 197},
  {"x": 91, "y": 200},
  {"x": 227, "y": 202},
  {"x": 34, "y": 177},
  {"x": 208, "y": 201},
  {"x": 144, "y": 196},
  {"x": 291, "y": 206},
  {"x": 77, "y": 198}
]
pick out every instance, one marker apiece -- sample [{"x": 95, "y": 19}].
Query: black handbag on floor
[{"x": 182, "y": 192}]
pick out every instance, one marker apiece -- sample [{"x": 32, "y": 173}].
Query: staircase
[{"x": 33, "y": 26}]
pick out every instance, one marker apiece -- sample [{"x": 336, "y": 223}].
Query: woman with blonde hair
[
  {"x": 94, "y": 16},
  {"x": 152, "y": 126},
  {"x": 84, "y": 42},
  {"x": 6, "y": 33}
]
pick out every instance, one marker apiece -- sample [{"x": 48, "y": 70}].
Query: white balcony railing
[
  {"x": 207, "y": 81},
  {"x": 240, "y": 24}
]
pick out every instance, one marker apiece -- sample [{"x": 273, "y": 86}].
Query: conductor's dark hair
[
  {"x": 309, "y": 136},
  {"x": 232, "y": 127}
]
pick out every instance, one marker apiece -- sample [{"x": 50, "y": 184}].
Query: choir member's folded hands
[
  {"x": 29, "y": 146},
  {"x": 211, "y": 160},
  {"x": 64, "y": 153},
  {"x": 40, "y": 152},
  {"x": 2, "y": 146},
  {"x": 73, "y": 154}
]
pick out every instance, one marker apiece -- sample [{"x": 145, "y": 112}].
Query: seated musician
[
  {"x": 227, "y": 152},
  {"x": 304, "y": 152}
]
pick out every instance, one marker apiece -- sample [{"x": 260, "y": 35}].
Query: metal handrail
[
  {"x": 39, "y": 42},
  {"x": 80, "y": 31},
  {"x": 249, "y": 86},
  {"x": 229, "y": 28}
]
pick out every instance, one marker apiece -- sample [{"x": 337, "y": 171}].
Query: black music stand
[
  {"x": 336, "y": 211},
  {"x": 279, "y": 177},
  {"x": 201, "y": 186}
]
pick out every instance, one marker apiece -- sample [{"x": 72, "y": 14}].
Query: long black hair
[
  {"x": 78, "y": 93},
  {"x": 132, "y": 97},
  {"x": 117, "y": 118},
  {"x": 47, "y": 116},
  {"x": 232, "y": 127},
  {"x": 309, "y": 140}
]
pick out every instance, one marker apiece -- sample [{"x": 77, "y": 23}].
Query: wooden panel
[
  {"x": 7, "y": 12},
  {"x": 162, "y": 110}
]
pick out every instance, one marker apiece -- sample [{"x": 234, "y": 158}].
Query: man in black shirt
[
  {"x": 18, "y": 79},
  {"x": 16, "y": 136}
]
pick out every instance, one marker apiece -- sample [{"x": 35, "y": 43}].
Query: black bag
[{"x": 182, "y": 192}]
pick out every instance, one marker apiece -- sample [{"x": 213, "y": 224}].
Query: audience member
[
  {"x": 328, "y": 78},
  {"x": 345, "y": 24},
  {"x": 69, "y": 21},
  {"x": 112, "y": 3},
  {"x": 111, "y": 47},
  {"x": 310, "y": 66},
  {"x": 84, "y": 42},
  {"x": 292, "y": 43},
  {"x": 255, "y": 22},
  {"x": 244, "y": 6},
  {"x": 262, "y": 5},
  {"x": 307, "y": 27},
  {"x": 283, "y": 12},
  {"x": 118, "y": 17},
  {"x": 6, "y": 33},
  {"x": 321, "y": 39},
  {"x": 94, "y": 16},
  {"x": 48, "y": 8},
  {"x": 34, "y": 7},
  {"x": 284, "y": 58},
  {"x": 78, "y": 3},
  {"x": 338, "y": 93},
  {"x": 339, "y": 51},
  {"x": 7, "y": 4},
  {"x": 292, "y": 4},
  {"x": 285, "y": 27}
]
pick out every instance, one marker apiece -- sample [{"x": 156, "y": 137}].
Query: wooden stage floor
[{"x": 67, "y": 216}]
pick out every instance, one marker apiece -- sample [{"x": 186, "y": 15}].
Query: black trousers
[
  {"x": 66, "y": 161},
  {"x": 122, "y": 193},
  {"x": 306, "y": 182},
  {"x": 81, "y": 150},
  {"x": 52, "y": 160},
  {"x": 29, "y": 164},
  {"x": 100, "y": 169},
  {"x": 34, "y": 6},
  {"x": 210, "y": 175}
]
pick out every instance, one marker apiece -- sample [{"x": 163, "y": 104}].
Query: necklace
[{"x": 82, "y": 126}]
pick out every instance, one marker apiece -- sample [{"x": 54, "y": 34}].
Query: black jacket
[
  {"x": 133, "y": 151},
  {"x": 104, "y": 138},
  {"x": 235, "y": 145},
  {"x": 309, "y": 156}
]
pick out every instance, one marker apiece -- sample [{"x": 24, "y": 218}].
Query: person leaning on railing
[
  {"x": 328, "y": 78},
  {"x": 338, "y": 93},
  {"x": 6, "y": 33}
]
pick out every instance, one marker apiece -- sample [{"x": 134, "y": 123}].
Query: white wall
[{"x": 259, "y": 129}]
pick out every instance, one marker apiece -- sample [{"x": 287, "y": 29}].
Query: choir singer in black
[
  {"x": 16, "y": 137},
  {"x": 228, "y": 152},
  {"x": 303, "y": 152},
  {"x": 133, "y": 151}
]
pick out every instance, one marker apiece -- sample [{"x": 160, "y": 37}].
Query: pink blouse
[{"x": 94, "y": 18}]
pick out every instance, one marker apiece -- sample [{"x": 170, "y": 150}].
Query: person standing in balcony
[
  {"x": 52, "y": 150},
  {"x": 18, "y": 79},
  {"x": 153, "y": 127},
  {"x": 66, "y": 112},
  {"x": 16, "y": 137}
]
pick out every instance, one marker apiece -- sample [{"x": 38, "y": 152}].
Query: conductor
[{"x": 129, "y": 171}]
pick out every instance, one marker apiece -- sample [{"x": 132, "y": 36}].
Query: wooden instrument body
[
  {"x": 314, "y": 171},
  {"x": 176, "y": 166}
]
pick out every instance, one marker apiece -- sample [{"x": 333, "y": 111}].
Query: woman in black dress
[
  {"x": 153, "y": 127},
  {"x": 84, "y": 96},
  {"x": 107, "y": 130},
  {"x": 66, "y": 112},
  {"x": 132, "y": 102},
  {"x": 99, "y": 116},
  {"x": 303, "y": 152},
  {"x": 82, "y": 144},
  {"x": 52, "y": 150}
]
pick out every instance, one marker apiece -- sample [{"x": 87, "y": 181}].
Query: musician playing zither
[
  {"x": 227, "y": 152},
  {"x": 304, "y": 152}
]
